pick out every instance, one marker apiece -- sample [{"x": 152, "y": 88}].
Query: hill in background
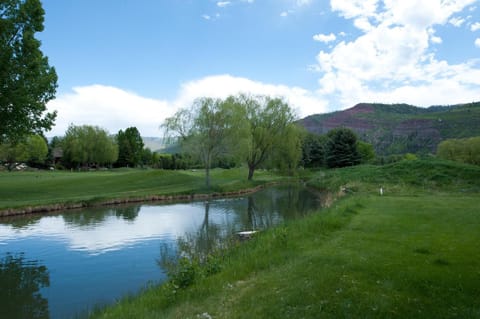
[
  {"x": 401, "y": 128},
  {"x": 160, "y": 145}
]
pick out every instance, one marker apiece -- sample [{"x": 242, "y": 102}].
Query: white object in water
[{"x": 246, "y": 234}]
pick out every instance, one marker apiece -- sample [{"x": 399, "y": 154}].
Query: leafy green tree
[
  {"x": 147, "y": 157},
  {"x": 342, "y": 148},
  {"x": 33, "y": 150},
  {"x": 36, "y": 150},
  {"x": 270, "y": 123},
  {"x": 130, "y": 147},
  {"x": 88, "y": 146},
  {"x": 207, "y": 130},
  {"x": 366, "y": 151},
  {"x": 465, "y": 150},
  {"x": 27, "y": 81},
  {"x": 288, "y": 154}
]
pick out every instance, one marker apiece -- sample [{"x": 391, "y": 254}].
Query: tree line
[
  {"x": 255, "y": 131},
  {"x": 258, "y": 132},
  {"x": 464, "y": 150}
]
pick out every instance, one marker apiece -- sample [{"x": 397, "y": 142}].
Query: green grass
[
  {"x": 404, "y": 177},
  {"x": 413, "y": 253},
  {"x": 24, "y": 189},
  {"x": 374, "y": 257}
]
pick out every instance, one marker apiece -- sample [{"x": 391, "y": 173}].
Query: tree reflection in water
[
  {"x": 257, "y": 211},
  {"x": 20, "y": 284}
]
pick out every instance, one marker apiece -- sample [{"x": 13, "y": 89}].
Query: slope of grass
[
  {"x": 418, "y": 176},
  {"x": 412, "y": 253},
  {"x": 22, "y": 189}
]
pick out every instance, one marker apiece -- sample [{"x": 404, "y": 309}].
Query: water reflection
[
  {"x": 108, "y": 252},
  {"x": 20, "y": 282},
  {"x": 255, "y": 212}
]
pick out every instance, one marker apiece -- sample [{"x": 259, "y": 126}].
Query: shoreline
[{"x": 31, "y": 210}]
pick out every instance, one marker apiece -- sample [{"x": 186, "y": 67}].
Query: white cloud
[
  {"x": 110, "y": 108},
  {"x": 475, "y": 26},
  {"x": 284, "y": 14},
  {"x": 115, "y": 109},
  {"x": 223, "y": 4},
  {"x": 324, "y": 37},
  {"x": 354, "y": 8},
  {"x": 433, "y": 38},
  {"x": 391, "y": 60},
  {"x": 477, "y": 42},
  {"x": 436, "y": 40},
  {"x": 221, "y": 86},
  {"x": 301, "y": 3},
  {"x": 456, "y": 22},
  {"x": 206, "y": 17}
]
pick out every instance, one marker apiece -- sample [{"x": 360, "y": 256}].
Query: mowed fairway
[
  {"x": 22, "y": 189},
  {"x": 397, "y": 257}
]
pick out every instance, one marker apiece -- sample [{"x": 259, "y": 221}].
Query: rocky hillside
[{"x": 401, "y": 128}]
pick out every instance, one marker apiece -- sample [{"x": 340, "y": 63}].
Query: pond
[{"x": 63, "y": 265}]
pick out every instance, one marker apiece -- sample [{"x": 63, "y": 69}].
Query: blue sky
[{"x": 128, "y": 63}]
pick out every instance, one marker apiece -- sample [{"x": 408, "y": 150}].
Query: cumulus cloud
[
  {"x": 115, "y": 109},
  {"x": 475, "y": 26},
  {"x": 391, "y": 60},
  {"x": 221, "y": 86},
  {"x": 108, "y": 107},
  {"x": 324, "y": 37},
  {"x": 477, "y": 42}
]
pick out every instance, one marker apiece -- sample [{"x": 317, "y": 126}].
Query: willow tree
[
  {"x": 88, "y": 146},
  {"x": 207, "y": 130},
  {"x": 271, "y": 127},
  {"x": 27, "y": 81}
]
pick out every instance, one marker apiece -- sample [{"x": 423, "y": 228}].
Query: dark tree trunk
[
  {"x": 251, "y": 170},
  {"x": 207, "y": 177}
]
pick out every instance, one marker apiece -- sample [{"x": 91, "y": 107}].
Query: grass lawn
[
  {"x": 413, "y": 253},
  {"x": 22, "y": 189}
]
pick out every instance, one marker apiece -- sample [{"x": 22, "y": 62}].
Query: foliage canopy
[
  {"x": 130, "y": 147},
  {"x": 88, "y": 146},
  {"x": 342, "y": 148},
  {"x": 27, "y": 81}
]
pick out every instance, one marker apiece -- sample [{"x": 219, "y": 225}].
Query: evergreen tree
[
  {"x": 130, "y": 147},
  {"x": 342, "y": 148}
]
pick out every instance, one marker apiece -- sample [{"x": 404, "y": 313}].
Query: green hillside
[{"x": 402, "y": 128}]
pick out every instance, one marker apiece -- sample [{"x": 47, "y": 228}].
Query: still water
[{"x": 63, "y": 265}]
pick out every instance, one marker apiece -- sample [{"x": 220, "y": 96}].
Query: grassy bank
[
  {"x": 408, "y": 254},
  {"x": 27, "y": 189}
]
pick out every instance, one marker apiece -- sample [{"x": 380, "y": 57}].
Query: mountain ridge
[{"x": 401, "y": 128}]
